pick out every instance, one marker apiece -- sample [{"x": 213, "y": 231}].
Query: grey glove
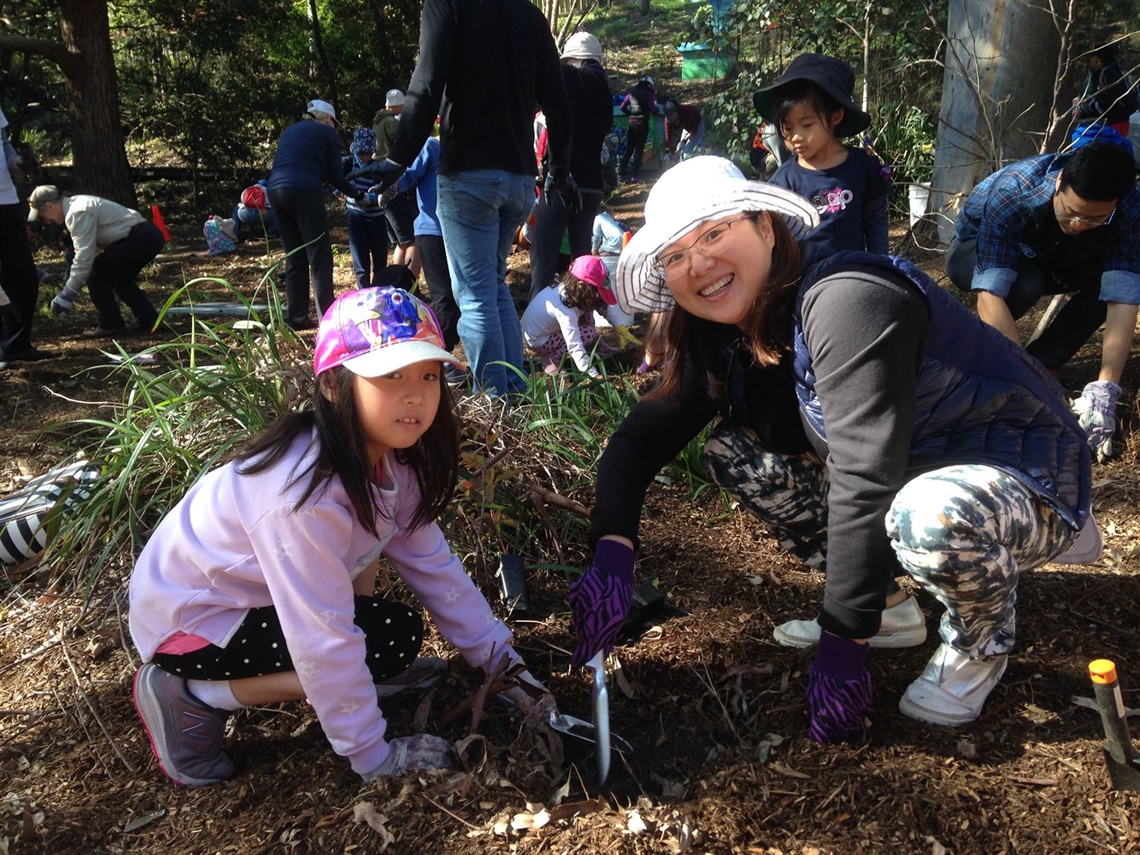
[
  {"x": 383, "y": 172},
  {"x": 422, "y": 751},
  {"x": 561, "y": 189},
  {"x": 532, "y": 699},
  {"x": 1096, "y": 411},
  {"x": 65, "y": 300},
  {"x": 16, "y": 168}
]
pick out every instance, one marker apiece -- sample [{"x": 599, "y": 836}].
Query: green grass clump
[{"x": 189, "y": 403}]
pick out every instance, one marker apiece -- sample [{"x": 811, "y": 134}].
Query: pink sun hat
[
  {"x": 375, "y": 331},
  {"x": 591, "y": 269}
]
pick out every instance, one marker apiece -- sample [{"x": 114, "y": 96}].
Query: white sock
[{"x": 214, "y": 693}]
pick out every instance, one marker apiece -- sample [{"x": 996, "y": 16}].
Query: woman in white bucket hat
[{"x": 869, "y": 420}]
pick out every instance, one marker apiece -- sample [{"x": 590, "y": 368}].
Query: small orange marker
[
  {"x": 156, "y": 215},
  {"x": 1123, "y": 764}
]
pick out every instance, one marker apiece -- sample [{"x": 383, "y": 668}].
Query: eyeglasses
[
  {"x": 676, "y": 263},
  {"x": 1061, "y": 210}
]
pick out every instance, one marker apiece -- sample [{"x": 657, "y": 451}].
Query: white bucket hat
[
  {"x": 583, "y": 46},
  {"x": 693, "y": 191}
]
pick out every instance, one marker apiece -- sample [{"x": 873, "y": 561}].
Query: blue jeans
[
  {"x": 478, "y": 212},
  {"x": 368, "y": 244}
]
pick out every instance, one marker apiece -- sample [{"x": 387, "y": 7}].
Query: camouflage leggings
[{"x": 964, "y": 533}]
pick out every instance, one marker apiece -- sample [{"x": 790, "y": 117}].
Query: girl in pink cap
[
  {"x": 260, "y": 585},
  {"x": 560, "y": 319}
]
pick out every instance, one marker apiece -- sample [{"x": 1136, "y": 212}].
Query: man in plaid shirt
[{"x": 1059, "y": 224}]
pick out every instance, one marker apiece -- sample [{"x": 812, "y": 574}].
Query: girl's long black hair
[{"x": 343, "y": 453}]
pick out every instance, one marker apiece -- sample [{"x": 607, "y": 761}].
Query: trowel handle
[{"x": 1102, "y": 672}]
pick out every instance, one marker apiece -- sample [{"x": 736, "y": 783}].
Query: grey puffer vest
[{"x": 981, "y": 398}]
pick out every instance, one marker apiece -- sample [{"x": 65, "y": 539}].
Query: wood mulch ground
[{"x": 714, "y": 708}]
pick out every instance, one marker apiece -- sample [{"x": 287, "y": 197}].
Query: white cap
[
  {"x": 319, "y": 106},
  {"x": 393, "y": 98}
]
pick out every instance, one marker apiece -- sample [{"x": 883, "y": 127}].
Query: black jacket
[
  {"x": 591, "y": 106},
  {"x": 484, "y": 65}
]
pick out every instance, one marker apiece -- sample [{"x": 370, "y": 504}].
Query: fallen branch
[{"x": 95, "y": 713}]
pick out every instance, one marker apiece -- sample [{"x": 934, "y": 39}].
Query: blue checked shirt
[{"x": 1007, "y": 212}]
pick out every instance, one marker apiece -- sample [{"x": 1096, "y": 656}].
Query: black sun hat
[{"x": 833, "y": 76}]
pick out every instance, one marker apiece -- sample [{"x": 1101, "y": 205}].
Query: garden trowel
[{"x": 601, "y": 715}]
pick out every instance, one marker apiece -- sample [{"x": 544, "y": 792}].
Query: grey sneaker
[
  {"x": 952, "y": 687},
  {"x": 186, "y": 735},
  {"x": 903, "y": 626},
  {"x": 424, "y": 673}
]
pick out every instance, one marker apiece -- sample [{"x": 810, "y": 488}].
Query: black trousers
[
  {"x": 634, "y": 147},
  {"x": 550, "y": 221},
  {"x": 393, "y": 634},
  {"x": 18, "y": 278},
  {"x": 1074, "y": 324},
  {"x": 433, "y": 256},
  {"x": 115, "y": 273},
  {"x": 302, "y": 222}
]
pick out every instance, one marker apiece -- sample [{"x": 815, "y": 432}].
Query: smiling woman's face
[{"x": 718, "y": 269}]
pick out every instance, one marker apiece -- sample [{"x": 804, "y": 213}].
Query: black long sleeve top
[{"x": 485, "y": 66}]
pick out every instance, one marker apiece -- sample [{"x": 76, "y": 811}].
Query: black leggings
[{"x": 393, "y": 635}]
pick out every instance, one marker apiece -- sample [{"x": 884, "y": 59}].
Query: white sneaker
[
  {"x": 1087, "y": 546},
  {"x": 952, "y": 687},
  {"x": 903, "y": 626}
]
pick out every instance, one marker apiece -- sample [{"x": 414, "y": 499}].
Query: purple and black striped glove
[
  {"x": 839, "y": 690},
  {"x": 599, "y": 600}
]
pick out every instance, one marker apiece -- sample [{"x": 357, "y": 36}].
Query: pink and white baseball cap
[{"x": 375, "y": 331}]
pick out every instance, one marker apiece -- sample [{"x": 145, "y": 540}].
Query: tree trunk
[
  {"x": 645, "y": 8},
  {"x": 997, "y": 93},
  {"x": 92, "y": 86}
]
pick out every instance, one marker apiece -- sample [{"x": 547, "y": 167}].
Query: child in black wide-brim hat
[{"x": 811, "y": 105}]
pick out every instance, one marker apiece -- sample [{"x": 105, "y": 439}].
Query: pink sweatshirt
[{"x": 234, "y": 543}]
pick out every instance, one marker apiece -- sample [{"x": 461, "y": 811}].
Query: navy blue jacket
[
  {"x": 922, "y": 385},
  {"x": 307, "y": 158}
]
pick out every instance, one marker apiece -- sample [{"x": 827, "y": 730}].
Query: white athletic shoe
[
  {"x": 903, "y": 626},
  {"x": 952, "y": 687}
]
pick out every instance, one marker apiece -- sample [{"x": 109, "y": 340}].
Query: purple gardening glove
[
  {"x": 1096, "y": 411},
  {"x": 839, "y": 690},
  {"x": 422, "y": 751},
  {"x": 599, "y": 600}
]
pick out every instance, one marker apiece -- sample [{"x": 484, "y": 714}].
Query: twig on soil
[
  {"x": 95, "y": 713},
  {"x": 436, "y": 804},
  {"x": 55, "y": 394},
  {"x": 123, "y": 635},
  {"x": 39, "y": 651},
  {"x": 708, "y": 683}
]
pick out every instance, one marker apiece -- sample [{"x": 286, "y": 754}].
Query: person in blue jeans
[
  {"x": 367, "y": 225},
  {"x": 487, "y": 169},
  {"x": 421, "y": 176}
]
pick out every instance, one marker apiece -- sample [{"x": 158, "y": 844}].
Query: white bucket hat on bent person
[
  {"x": 688, "y": 194},
  {"x": 583, "y": 46}
]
